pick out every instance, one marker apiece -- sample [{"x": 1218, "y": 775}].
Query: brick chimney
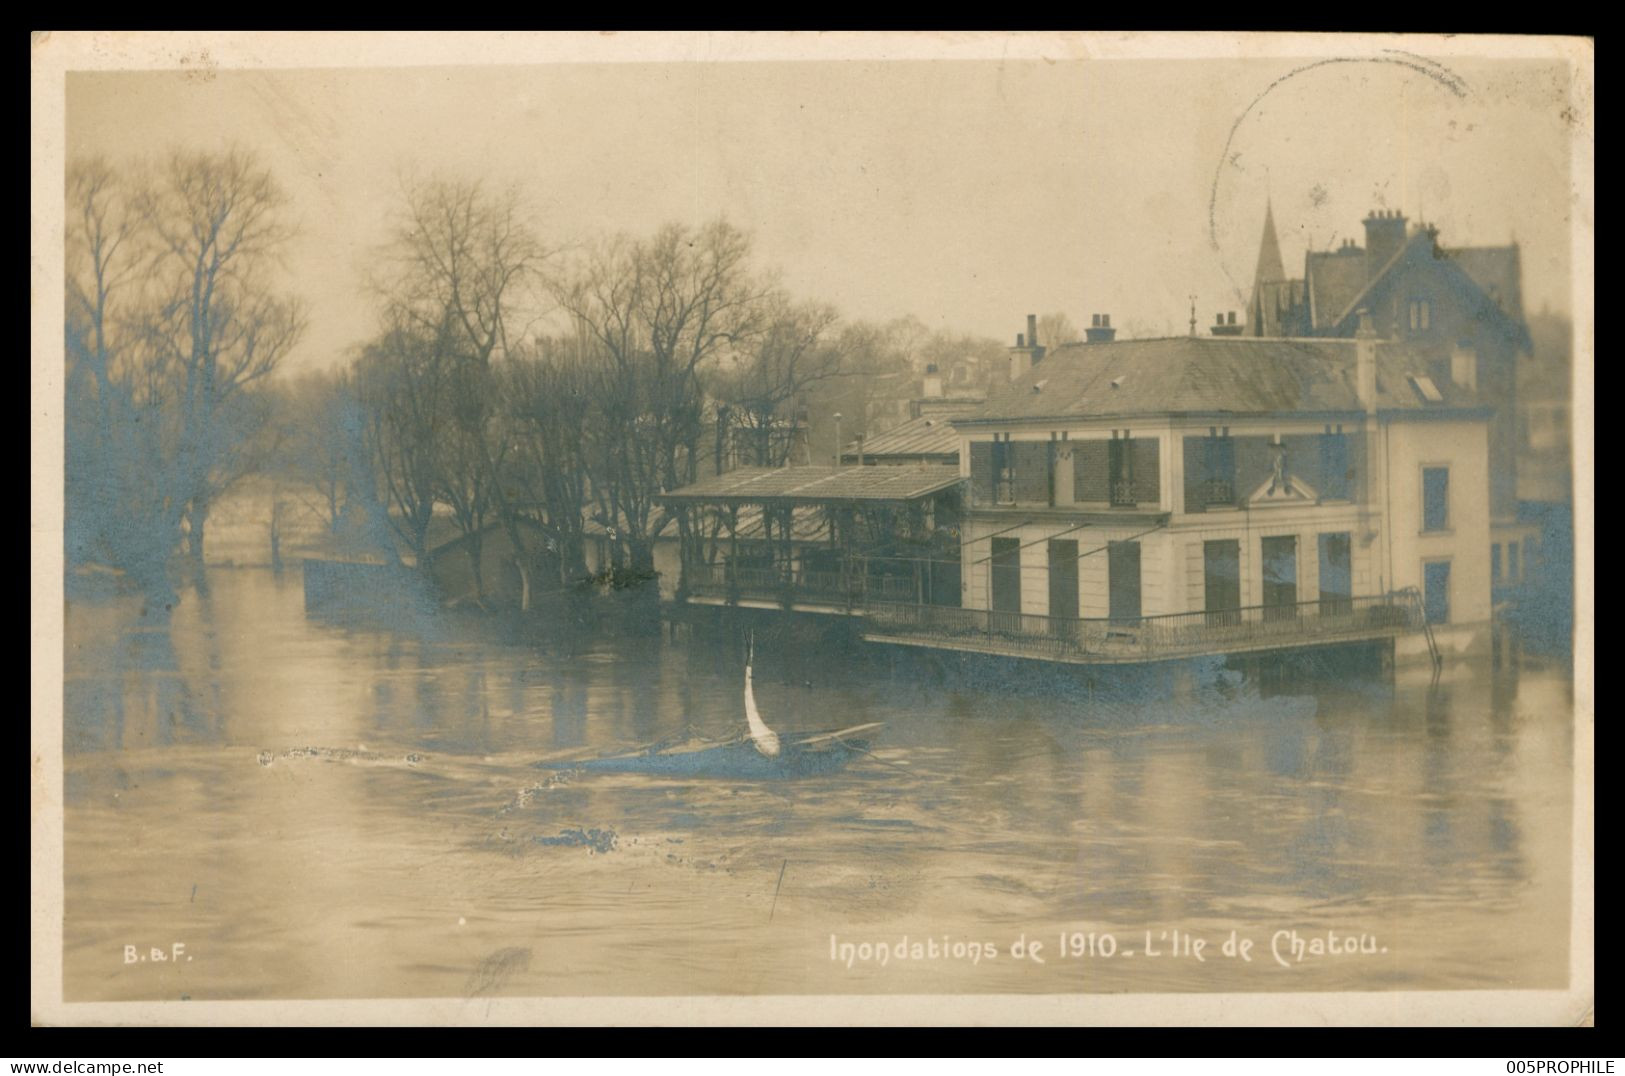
[
  {"x": 931, "y": 385},
  {"x": 1225, "y": 325},
  {"x": 1384, "y": 235},
  {"x": 1100, "y": 330},
  {"x": 1026, "y": 354},
  {"x": 1365, "y": 363}
]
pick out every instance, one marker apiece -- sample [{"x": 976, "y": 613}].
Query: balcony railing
[
  {"x": 1123, "y": 494},
  {"x": 1218, "y": 492},
  {"x": 1152, "y": 637}
]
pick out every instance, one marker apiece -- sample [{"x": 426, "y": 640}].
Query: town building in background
[{"x": 1461, "y": 310}]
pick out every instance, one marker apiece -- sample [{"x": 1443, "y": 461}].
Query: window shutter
[
  {"x": 1147, "y": 473},
  {"x": 1195, "y": 474},
  {"x": 981, "y": 472},
  {"x": 1091, "y": 476},
  {"x": 1031, "y": 466}
]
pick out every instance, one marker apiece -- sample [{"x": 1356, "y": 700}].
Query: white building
[{"x": 1210, "y": 481}]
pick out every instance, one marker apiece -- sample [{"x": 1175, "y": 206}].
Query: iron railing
[
  {"x": 1170, "y": 635},
  {"x": 1219, "y": 492}
]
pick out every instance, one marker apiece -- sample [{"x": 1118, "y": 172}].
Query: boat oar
[
  {"x": 839, "y": 733},
  {"x": 877, "y": 758}
]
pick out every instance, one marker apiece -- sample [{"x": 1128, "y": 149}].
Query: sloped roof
[
  {"x": 928, "y": 435},
  {"x": 1497, "y": 271},
  {"x": 817, "y": 485},
  {"x": 1207, "y": 375},
  {"x": 1338, "y": 283},
  {"x": 1333, "y": 279}
]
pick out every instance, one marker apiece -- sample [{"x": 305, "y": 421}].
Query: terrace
[{"x": 1082, "y": 640}]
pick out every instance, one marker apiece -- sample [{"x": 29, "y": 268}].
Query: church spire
[{"x": 1270, "y": 269}]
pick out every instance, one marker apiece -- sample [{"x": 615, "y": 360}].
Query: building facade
[{"x": 1121, "y": 482}]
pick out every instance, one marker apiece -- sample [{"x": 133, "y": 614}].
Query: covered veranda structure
[{"x": 820, "y": 539}]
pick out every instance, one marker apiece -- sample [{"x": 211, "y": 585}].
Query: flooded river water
[{"x": 287, "y": 808}]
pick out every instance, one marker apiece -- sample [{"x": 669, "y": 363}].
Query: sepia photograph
[{"x": 811, "y": 528}]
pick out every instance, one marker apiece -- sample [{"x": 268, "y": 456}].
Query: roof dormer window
[{"x": 1421, "y": 315}]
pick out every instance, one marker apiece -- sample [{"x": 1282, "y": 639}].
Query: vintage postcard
[{"x": 861, "y": 528}]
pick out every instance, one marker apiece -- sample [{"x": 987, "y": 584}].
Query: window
[
  {"x": 1063, "y": 587},
  {"x": 1221, "y": 472},
  {"x": 1435, "y": 498},
  {"x": 1512, "y": 562},
  {"x": 1121, "y": 465},
  {"x": 1421, "y": 315},
  {"x": 1006, "y": 573},
  {"x": 1221, "y": 579},
  {"x": 1280, "y": 563},
  {"x": 1334, "y": 467},
  {"x": 1426, "y": 389},
  {"x": 1004, "y": 489},
  {"x": 1123, "y": 580},
  {"x": 1336, "y": 575},
  {"x": 1436, "y": 591},
  {"x": 1495, "y": 562}
]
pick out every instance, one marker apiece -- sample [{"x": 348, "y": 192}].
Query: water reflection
[{"x": 417, "y": 839}]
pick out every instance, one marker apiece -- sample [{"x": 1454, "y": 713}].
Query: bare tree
[
  {"x": 1056, "y": 330},
  {"x": 469, "y": 457},
  {"x": 109, "y": 490},
  {"x": 321, "y": 447},
  {"x": 400, "y": 385},
  {"x": 216, "y": 323},
  {"x": 458, "y": 272},
  {"x": 549, "y": 405},
  {"x": 797, "y": 347},
  {"x": 655, "y": 311},
  {"x": 171, "y": 318}
]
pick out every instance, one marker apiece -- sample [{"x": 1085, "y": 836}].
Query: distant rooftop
[
  {"x": 816, "y": 485},
  {"x": 928, "y": 435}
]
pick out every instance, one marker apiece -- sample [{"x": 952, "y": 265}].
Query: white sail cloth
[{"x": 766, "y": 740}]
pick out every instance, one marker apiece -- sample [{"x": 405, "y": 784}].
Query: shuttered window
[
  {"x": 1435, "y": 498},
  {"x": 1030, "y": 467},
  {"x": 981, "y": 472},
  {"x": 1091, "y": 471},
  {"x": 1335, "y": 475},
  {"x": 1147, "y": 471}
]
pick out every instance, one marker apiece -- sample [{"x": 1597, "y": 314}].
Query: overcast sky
[{"x": 968, "y": 194}]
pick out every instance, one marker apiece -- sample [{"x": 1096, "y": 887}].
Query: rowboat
[{"x": 760, "y": 755}]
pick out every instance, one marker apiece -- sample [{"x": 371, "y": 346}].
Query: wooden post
[
  {"x": 733, "y": 554},
  {"x": 787, "y": 551},
  {"x": 686, "y": 552}
]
